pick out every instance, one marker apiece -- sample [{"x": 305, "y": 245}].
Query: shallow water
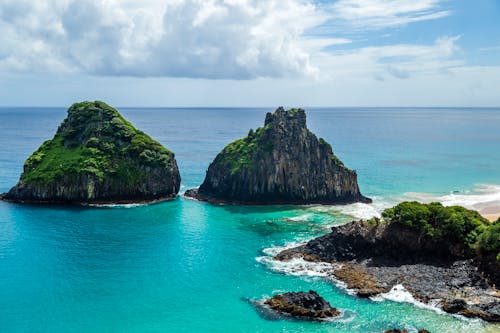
[{"x": 185, "y": 266}]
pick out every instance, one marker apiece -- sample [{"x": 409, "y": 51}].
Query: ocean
[{"x": 188, "y": 266}]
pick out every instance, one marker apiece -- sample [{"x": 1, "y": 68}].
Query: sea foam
[
  {"x": 398, "y": 293},
  {"x": 484, "y": 198},
  {"x": 129, "y": 205},
  {"x": 359, "y": 210},
  {"x": 324, "y": 270},
  {"x": 295, "y": 266}
]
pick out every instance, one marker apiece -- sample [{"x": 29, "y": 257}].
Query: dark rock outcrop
[
  {"x": 489, "y": 264},
  {"x": 96, "y": 156},
  {"x": 280, "y": 163},
  {"x": 397, "y": 330},
  {"x": 305, "y": 305},
  {"x": 383, "y": 243},
  {"x": 372, "y": 258}
]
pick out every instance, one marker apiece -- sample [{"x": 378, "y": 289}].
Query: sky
[{"x": 250, "y": 53}]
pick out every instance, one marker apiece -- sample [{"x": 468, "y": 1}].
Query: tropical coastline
[
  {"x": 255, "y": 166},
  {"x": 167, "y": 237}
]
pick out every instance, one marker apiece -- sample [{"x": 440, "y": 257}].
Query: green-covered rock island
[
  {"x": 97, "y": 156},
  {"x": 280, "y": 163}
]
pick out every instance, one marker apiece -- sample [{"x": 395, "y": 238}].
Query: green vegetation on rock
[
  {"x": 489, "y": 240},
  {"x": 335, "y": 159},
  {"x": 241, "y": 153},
  {"x": 456, "y": 224},
  {"x": 94, "y": 139},
  {"x": 280, "y": 163}
]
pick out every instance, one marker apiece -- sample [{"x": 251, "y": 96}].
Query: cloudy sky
[{"x": 250, "y": 52}]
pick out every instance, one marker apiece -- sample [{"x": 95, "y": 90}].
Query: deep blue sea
[{"x": 187, "y": 266}]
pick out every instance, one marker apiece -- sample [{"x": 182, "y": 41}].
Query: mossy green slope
[
  {"x": 240, "y": 154},
  {"x": 97, "y": 155}
]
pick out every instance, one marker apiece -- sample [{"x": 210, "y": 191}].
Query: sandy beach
[
  {"x": 489, "y": 210},
  {"x": 492, "y": 217}
]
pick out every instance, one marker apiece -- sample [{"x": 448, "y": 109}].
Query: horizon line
[{"x": 265, "y": 107}]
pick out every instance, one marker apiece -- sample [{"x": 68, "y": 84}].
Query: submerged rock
[
  {"x": 96, "y": 156},
  {"x": 280, "y": 163},
  {"x": 305, "y": 305},
  {"x": 396, "y": 330}
]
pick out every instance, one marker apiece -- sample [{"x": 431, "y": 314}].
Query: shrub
[
  {"x": 334, "y": 157},
  {"x": 489, "y": 240},
  {"x": 453, "y": 223},
  {"x": 241, "y": 153}
]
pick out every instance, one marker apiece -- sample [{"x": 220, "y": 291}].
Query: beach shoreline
[
  {"x": 492, "y": 217},
  {"x": 491, "y": 211}
]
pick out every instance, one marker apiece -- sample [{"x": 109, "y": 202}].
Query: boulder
[{"x": 305, "y": 305}]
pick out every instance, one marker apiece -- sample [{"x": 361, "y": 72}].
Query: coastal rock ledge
[
  {"x": 280, "y": 163},
  {"x": 443, "y": 260},
  {"x": 304, "y": 305},
  {"x": 96, "y": 156}
]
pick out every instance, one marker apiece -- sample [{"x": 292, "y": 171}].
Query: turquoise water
[{"x": 186, "y": 266}]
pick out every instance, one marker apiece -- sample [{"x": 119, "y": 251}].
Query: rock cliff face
[
  {"x": 280, "y": 163},
  {"x": 97, "y": 156},
  {"x": 385, "y": 243}
]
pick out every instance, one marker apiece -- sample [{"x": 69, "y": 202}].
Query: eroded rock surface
[
  {"x": 372, "y": 259},
  {"x": 280, "y": 163}
]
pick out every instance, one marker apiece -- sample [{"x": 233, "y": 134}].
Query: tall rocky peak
[
  {"x": 280, "y": 163},
  {"x": 292, "y": 120},
  {"x": 97, "y": 156}
]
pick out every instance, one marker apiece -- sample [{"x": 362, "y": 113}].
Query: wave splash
[
  {"x": 485, "y": 198},
  {"x": 399, "y": 294},
  {"x": 296, "y": 266},
  {"x": 324, "y": 270}
]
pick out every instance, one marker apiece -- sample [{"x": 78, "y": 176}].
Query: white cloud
[
  {"x": 237, "y": 39},
  {"x": 217, "y": 39},
  {"x": 399, "y": 61},
  {"x": 376, "y": 14},
  {"x": 214, "y": 39},
  {"x": 59, "y": 51}
]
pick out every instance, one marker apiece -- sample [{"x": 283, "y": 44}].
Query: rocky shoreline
[
  {"x": 396, "y": 330},
  {"x": 194, "y": 193},
  {"x": 371, "y": 260},
  {"x": 96, "y": 203}
]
